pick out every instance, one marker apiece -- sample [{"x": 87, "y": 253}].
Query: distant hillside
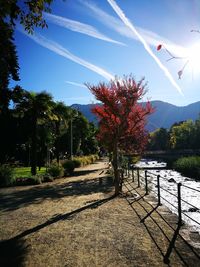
[
  {"x": 86, "y": 110},
  {"x": 164, "y": 116},
  {"x": 167, "y": 114}
]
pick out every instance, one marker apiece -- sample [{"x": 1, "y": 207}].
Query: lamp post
[
  {"x": 71, "y": 140},
  {"x": 29, "y": 155},
  {"x": 48, "y": 158},
  {"x": 74, "y": 116}
]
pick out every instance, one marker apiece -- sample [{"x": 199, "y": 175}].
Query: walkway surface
[{"x": 75, "y": 222}]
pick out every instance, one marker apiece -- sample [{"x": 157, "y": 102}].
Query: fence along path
[
  {"x": 179, "y": 203},
  {"x": 174, "y": 196}
]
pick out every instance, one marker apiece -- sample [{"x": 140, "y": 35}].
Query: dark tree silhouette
[
  {"x": 9, "y": 68},
  {"x": 38, "y": 107}
]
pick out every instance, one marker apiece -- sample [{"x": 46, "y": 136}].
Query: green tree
[
  {"x": 159, "y": 140},
  {"x": 8, "y": 64},
  {"x": 181, "y": 135},
  {"x": 80, "y": 128},
  {"x": 9, "y": 137},
  {"x": 38, "y": 108},
  {"x": 196, "y": 140},
  {"x": 62, "y": 117},
  {"x": 29, "y": 14},
  {"x": 79, "y": 134},
  {"x": 89, "y": 143}
]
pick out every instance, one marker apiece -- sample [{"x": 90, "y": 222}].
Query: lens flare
[{"x": 194, "y": 57}]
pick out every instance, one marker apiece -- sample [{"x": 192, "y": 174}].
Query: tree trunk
[
  {"x": 57, "y": 152},
  {"x": 116, "y": 171},
  {"x": 57, "y": 157},
  {"x": 34, "y": 148},
  {"x": 57, "y": 142}
]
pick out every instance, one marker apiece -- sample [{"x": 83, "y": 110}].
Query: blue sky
[{"x": 90, "y": 41}]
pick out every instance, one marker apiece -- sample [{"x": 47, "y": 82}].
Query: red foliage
[
  {"x": 159, "y": 47},
  {"x": 121, "y": 118}
]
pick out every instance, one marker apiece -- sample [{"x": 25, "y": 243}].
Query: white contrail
[
  {"x": 117, "y": 25},
  {"x": 120, "y": 13},
  {"x": 76, "y": 84},
  {"x": 77, "y": 26},
  {"x": 60, "y": 50}
]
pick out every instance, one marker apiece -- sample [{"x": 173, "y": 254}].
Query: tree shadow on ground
[
  {"x": 154, "y": 225},
  {"x": 59, "y": 217},
  {"x": 13, "y": 252},
  {"x": 37, "y": 194}
]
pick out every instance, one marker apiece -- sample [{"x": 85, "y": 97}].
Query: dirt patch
[{"x": 76, "y": 222}]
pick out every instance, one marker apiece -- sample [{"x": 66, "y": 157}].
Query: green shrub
[
  {"x": 170, "y": 162},
  {"x": 47, "y": 178},
  {"x": 124, "y": 162},
  {"x": 135, "y": 159},
  {"x": 93, "y": 158},
  {"x": 85, "y": 160},
  {"x": 6, "y": 175},
  {"x": 33, "y": 180},
  {"x": 188, "y": 166},
  {"x": 56, "y": 171},
  {"x": 68, "y": 166},
  {"x": 21, "y": 181},
  {"x": 77, "y": 163}
]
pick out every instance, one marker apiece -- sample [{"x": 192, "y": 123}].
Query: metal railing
[{"x": 141, "y": 177}]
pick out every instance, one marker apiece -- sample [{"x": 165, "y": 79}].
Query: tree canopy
[
  {"x": 28, "y": 13},
  {"x": 121, "y": 117},
  {"x": 35, "y": 126},
  {"x": 181, "y": 135}
]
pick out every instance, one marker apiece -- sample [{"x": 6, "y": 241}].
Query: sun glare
[{"x": 194, "y": 57}]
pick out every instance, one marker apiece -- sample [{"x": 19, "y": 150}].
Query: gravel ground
[{"x": 75, "y": 221}]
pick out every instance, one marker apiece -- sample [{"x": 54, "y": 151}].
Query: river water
[{"x": 169, "y": 179}]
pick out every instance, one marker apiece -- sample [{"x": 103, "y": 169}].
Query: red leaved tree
[{"x": 121, "y": 118}]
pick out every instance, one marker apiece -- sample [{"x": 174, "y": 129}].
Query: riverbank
[
  {"x": 169, "y": 183},
  {"x": 76, "y": 222}
]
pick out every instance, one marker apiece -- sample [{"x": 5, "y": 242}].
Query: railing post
[
  {"x": 138, "y": 176},
  {"x": 128, "y": 171},
  {"x": 158, "y": 185},
  {"x": 179, "y": 204},
  {"x": 180, "y": 223},
  {"x": 121, "y": 178},
  {"x": 133, "y": 178},
  {"x": 146, "y": 184}
]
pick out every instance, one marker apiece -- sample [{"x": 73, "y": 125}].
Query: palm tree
[
  {"x": 38, "y": 108},
  {"x": 62, "y": 117}
]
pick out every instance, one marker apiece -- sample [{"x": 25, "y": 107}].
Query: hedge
[{"x": 188, "y": 166}]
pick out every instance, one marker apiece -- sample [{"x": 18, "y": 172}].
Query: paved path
[{"x": 76, "y": 222}]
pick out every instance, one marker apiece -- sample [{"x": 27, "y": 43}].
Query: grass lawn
[{"x": 21, "y": 172}]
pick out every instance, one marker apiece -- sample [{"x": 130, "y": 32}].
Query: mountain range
[{"x": 165, "y": 114}]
